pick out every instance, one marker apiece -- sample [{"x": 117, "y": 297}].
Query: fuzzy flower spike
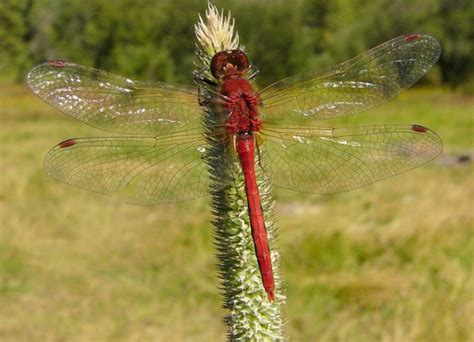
[{"x": 251, "y": 317}]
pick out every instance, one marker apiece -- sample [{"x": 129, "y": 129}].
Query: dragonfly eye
[{"x": 229, "y": 62}]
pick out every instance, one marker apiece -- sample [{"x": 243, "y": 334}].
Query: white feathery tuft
[{"x": 216, "y": 33}]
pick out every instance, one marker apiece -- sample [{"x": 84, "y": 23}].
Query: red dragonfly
[{"x": 161, "y": 157}]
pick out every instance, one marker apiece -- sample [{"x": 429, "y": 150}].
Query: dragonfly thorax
[{"x": 240, "y": 106}]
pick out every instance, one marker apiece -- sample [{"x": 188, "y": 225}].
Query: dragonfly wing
[
  {"x": 328, "y": 160},
  {"x": 143, "y": 170},
  {"x": 114, "y": 103},
  {"x": 357, "y": 85}
]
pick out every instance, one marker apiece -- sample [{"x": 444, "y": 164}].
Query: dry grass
[{"x": 389, "y": 262}]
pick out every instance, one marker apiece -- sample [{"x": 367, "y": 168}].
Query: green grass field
[{"x": 389, "y": 262}]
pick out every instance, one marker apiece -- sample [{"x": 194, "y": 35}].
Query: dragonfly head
[{"x": 228, "y": 64}]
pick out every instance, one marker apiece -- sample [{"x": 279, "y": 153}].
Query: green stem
[{"x": 251, "y": 316}]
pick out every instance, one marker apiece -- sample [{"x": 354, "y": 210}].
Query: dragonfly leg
[
  {"x": 258, "y": 140},
  {"x": 201, "y": 79},
  {"x": 254, "y": 72}
]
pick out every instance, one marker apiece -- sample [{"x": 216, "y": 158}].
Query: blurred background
[
  {"x": 392, "y": 261},
  {"x": 154, "y": 40}
]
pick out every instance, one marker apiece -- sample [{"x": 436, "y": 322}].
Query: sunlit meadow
[{"x": 392, "y": 261}]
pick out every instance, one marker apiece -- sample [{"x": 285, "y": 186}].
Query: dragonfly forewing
[
  {"x": 115, "y": 103},
  {"x": 357, "y": 85}
]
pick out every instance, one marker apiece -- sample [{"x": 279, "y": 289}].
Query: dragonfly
[{"x": 160, "y": 155}]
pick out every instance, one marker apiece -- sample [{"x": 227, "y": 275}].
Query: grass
[{"x": 391, "y": 262}]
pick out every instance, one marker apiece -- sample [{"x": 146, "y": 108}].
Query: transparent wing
[
  {"x": 359, "y": 84},
  {"x": 114, "y": 103},
  {"x": 143, "y": 170},
  {"x": 327, "y": 160}
]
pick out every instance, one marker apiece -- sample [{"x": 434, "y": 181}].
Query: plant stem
[{"x": 251, "y": 316}]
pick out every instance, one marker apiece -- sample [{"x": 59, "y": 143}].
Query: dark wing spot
[
  {"x": 67, "y": 143},
  {"x": 57, "y": 63},
  {"x": 418, "y": 128},
  {"x": 412, "y": 37}
]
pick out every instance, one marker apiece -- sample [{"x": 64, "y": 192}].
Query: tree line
[{"x": 154, "y": 39}]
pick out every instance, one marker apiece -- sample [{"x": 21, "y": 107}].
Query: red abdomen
[{"x": 246, "y": 151}]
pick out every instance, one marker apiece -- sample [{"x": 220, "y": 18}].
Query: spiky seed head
[
  {"x": 251, "y": 316},
  {"x": 215, "y": 33}
]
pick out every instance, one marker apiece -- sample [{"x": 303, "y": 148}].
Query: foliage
[
  {"x": 15, "y": 35},
  {"x": 153, "y": 40}
]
